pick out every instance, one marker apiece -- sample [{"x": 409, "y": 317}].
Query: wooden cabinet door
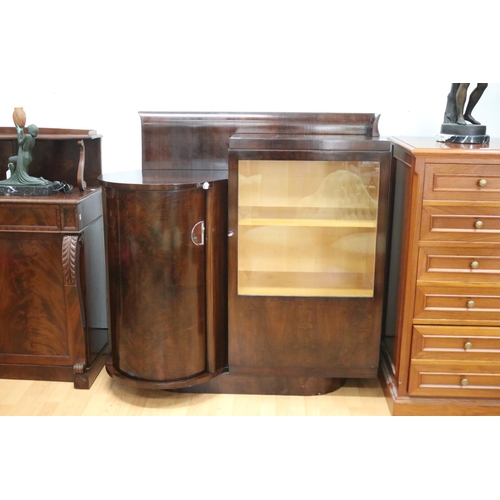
[
  {"x": 34, "y": 318},
  {"x": 166, "y": 252},
  {"x": 156, "y": 267},
  {"x": 306, "y": 263}
]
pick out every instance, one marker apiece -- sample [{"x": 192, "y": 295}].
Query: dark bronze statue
[
  {"x": 455, "y": 104},
  {"x": 455, "y": 128}
]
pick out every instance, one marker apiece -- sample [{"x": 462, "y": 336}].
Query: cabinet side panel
[
  {"x": 95, "y": 299},
  {"x": 216, "y": 262},
  {"x": 401, "y": 172}
]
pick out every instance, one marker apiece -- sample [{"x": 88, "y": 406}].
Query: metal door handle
[{"x": 198, "y": 239}]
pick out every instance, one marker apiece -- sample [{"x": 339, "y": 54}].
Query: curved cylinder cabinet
[{"x": 166, "y": 239}]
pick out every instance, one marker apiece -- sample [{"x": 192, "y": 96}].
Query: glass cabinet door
[{"x": 307, "y": 228}]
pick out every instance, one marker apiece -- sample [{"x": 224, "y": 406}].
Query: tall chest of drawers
[{"x": 441, "y": 342}]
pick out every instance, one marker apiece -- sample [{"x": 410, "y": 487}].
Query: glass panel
[{"x": 307, "y": 228}]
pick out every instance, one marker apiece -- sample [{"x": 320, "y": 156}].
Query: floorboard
[{"x": 358, "y": 397}]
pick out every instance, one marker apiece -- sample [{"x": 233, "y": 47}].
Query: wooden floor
[{"x": 108, "y": 397}]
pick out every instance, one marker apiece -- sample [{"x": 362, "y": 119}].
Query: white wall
[{"x": 95, "y": 64}]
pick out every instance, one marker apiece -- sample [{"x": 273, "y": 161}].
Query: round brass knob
[
  {"x": 482, "y": 183},
  {"x": 474, "y": 264},
  {"x": 464, "y": 382},
  {"x": 479, "y": 224},
  {"x": 468, "y": 346},
  {"x": 471, "y": 304}
]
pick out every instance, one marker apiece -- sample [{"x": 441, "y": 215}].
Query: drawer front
[
  {"x": 454, "y": 380},
  {"x": 29, "y": 217},
  {"x": 458, "y": 343},
  {"x": 462, "y": 182},
  {"x": 460, "y": 223},
  {"x": 470, "y": 264},
  {"x": 457, "y": 305}
]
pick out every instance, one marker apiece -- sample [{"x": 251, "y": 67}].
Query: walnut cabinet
[{"x": 284, "y": 293}]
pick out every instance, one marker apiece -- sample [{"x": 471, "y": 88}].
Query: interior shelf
[
  {"x": 305, "y": 217},
  {"x": 308, "y": 223},
  {"x": 304, "y": 284}
]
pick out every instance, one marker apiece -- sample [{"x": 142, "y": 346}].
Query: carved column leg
[
  {"x": 82, "y": 185},
  {"x": 75, "y": 313}
]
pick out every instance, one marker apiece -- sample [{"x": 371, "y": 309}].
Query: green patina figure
[
  {"x": 19, "y": 165},
  {"x": 20, "y": 182}
]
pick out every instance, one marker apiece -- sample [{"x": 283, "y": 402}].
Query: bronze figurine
[
  {"x": 19, "y": 181},
  {"x": 455, "y": 104},
  {"x": 455, "y": 128}
]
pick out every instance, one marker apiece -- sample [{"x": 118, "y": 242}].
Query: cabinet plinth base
[
  {"x": 270, "y": 386},
  {"x": 447, "y": 407},
  {"x": 225, "y": 383},
  {"x": 50, "y": 373},
  {"x": 138, "y": 383}
]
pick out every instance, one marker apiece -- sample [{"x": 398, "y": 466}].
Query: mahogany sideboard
[
  {"x": 53, "y": 313},
  {"x": 284, "y": 292},
  {"x": 441, "y": 342}
]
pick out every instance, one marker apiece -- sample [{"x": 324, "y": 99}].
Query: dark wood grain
[
  {"x": 167, "y": 304},
  {"x": 201, "y": 140},
  {"x": 272, "y": 345},
  {"x": 229, "y": 383},
  {"x": 53, "y": 313},
  {"x": 51, "y": 327},
  {"x": 216, "y": 275},
  {"x": 33, "y": 321},
  {"x": 56, "y": 155},
  {"x": 28, "y": 216},
  {"x": 157, "y": 284},
  {"x": 312, "y": 336}
]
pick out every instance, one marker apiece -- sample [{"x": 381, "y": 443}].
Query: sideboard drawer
[
  {"x": 463, "y": 263},
  {"x": 457, "y": 305},
  {"x": 460, "y": 223},
  {"x": 29, "y": 217},
  {"x": 458, "y": 343},
  {"x": 454, "y": 380},
  {"x": 462, "y": 182}
]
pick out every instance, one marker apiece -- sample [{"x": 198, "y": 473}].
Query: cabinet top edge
[
  {"x": 7, "y": 133},
  {"x": 305, "y": 142},
  {"x": 251, "y": 122},
  {"x": 160, "y": 179},
  {"x": 75, "y": 197},
  {"x": 163, "y": 116},
  {"x": 426, "y": 146}
]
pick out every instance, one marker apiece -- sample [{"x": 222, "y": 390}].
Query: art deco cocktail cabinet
[
  {"x": 53, "y": 318},
  {"x": 248, "y": 254},
  {"x": 441, "y": 345}
]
